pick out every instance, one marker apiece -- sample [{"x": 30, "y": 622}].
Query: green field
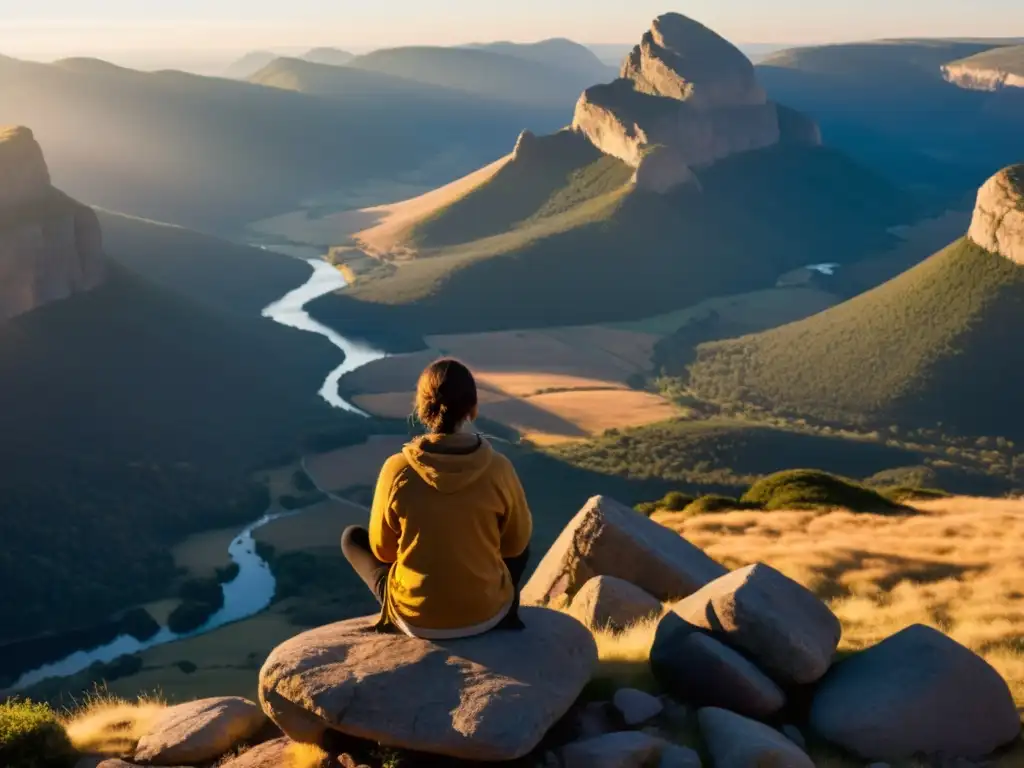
[
  {"x": 725, "y": 453},
  {"x": 581, "y": 227}
]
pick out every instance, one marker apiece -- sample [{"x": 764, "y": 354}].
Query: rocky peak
[
  {"x": 23, "y": 172},
  {"x": 691, "y": 94},
  {"x": 681, "y": 59},
  {"x": 50, "y": 245},
  {"x": 998, "y": 222}
]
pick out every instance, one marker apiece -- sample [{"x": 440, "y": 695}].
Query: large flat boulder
[
  {"x": 783, "y": 627},
  {"x": 698, "y": 669},
  {"x": 916, "y": 692},
  {"x": 606, "y": 602},
  {"x": 737, "y": 742},
  {"x": 199, "y": 731},
  {"x": 491, "y": 697},
  {"x": 607, "y": 538}
]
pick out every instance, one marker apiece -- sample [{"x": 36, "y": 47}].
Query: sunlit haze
[{"x": 135, "y": 30}]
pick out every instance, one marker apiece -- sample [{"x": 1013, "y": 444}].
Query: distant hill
[
  {"x": 558, "y": 52},
  {"x": 183, "y": 148},
  {"x": 677, "y": 182},
  {"x": 333, "y": 56},
  {"x": 989, "y": 70},
  {"x": 356, "y": 86},
  {"x": 869, "y": 99},
  {"x": 224, "y": 276},
  {"x": 251, "y": 62},
  {"x": 938, "y": 346},
  {"x": 497, "y": 76}
]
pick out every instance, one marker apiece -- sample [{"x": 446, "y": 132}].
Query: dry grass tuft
[
  {"x": 109, "y": 726},
  {"x": 306, "y": 756}
]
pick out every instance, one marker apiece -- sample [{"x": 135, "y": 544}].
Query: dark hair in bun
[{"x": 445, "y": 396}]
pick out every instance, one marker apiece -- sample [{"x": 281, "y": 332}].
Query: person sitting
[{"x": 450, "y": 527}]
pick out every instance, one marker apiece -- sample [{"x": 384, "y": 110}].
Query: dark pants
[{"x": 355, "y": 545}]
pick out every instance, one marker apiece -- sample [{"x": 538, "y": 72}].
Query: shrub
[
  {"x": 904, "y": 493},
  {"x": 673, "y": 501},
  {"x": 189, "y": 616},
  {"x": 139, "y": 624},
  {"x": 813, "y": 489},
  {"x": 228, "y": 573},
  {"x": 298, "y": 502},
  {"x": 302, "y": 482},
  {"x": 122, "y": 666},
  {"x": 676, "y": 501},
  {"x": 202, "y": 591},
  {"x": 713, "y": 503},
  {"x": 32, "y": 737},
  {"x": 186, "y": 666}
]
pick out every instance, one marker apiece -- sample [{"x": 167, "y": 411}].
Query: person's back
[{"x": 450, "y": 526}]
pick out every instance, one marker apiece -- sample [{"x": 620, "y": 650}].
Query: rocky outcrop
[
  {"x": 736, "y": 742},
  {"x": 690, "y": 94},
  {"x": 777, "y": 622},
  {"x": 998, "y": 223},
  {"x": 491, "y": 697},
  {"x": 975, "y": 78},
  {"x": 615, "y": 604},
  {"x": 24, "y": 176},
  {"x": 607, "y": 538},
  {"x": 199, "y": 731},
  {"x": 50, "y": 245},
  {"x": 698, "y": 668}
]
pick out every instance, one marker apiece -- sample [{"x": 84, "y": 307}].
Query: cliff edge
[
  {"x": 998, "y": 222},
  {"x": 50, "y": 245},
  {"x": 1001, "y": 67}
]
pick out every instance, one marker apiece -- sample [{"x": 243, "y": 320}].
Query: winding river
[{"x": 252, "y": 590}]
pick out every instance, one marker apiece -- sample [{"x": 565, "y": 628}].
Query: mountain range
[
  {"x": 677, "y": 181},
  {"x": 176, "y": 147}
]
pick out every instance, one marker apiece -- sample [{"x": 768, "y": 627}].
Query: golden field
[
  {"x": 550, "y": 385},
  {"x": 957, "y": 566},
  {"x": 354, "y": 465}
]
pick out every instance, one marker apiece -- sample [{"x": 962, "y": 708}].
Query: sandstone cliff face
[
  {"x": 981, "y": 79},
  {"x": 686, "y": 89},
  {"x": 50, "y": 245},
  {"x": 998, "y": 223}
]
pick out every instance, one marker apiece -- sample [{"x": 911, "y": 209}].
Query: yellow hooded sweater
[{"x": 446, "y": 510}]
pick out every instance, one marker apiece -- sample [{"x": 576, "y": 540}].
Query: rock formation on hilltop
[
  {"x": 992, "y": 70},
  {"x": 50, "y": 245},
  {"x": 998, "y": 223},
  {"x": 686, "y": 98}
]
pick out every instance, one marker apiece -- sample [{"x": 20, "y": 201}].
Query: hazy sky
[{"x": 62, "y": 27}]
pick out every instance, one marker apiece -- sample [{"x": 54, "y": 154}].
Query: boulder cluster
[
  {"x": 50, "y": 245},
  {"x": 745, "y": 658},
  {"x": 685, "y": 98}
]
